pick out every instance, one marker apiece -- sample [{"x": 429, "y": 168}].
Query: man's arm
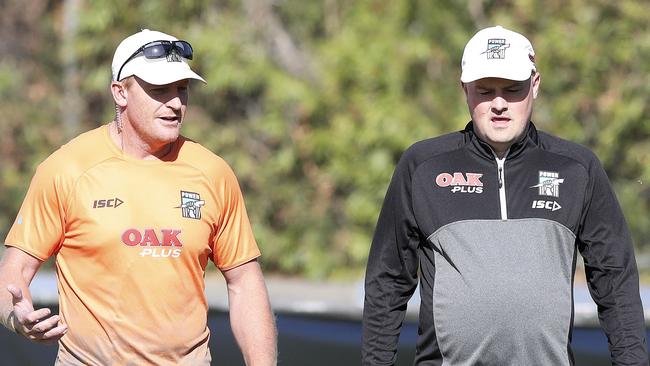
[
  {"x": 17, "y": 269},
  {"x": 251, "y": 318},
  {"x": 605, "y": 244},
  {"x": 391, "y": 272}
]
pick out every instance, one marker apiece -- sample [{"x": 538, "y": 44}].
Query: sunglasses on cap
[{"x": 160, "y": 49}]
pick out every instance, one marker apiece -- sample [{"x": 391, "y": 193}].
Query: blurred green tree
[{"x": 313, "y": 102}]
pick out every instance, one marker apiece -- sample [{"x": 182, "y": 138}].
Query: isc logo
[
  {"x": 113, "y": 202},
  {"x": 547, "y": 205}
]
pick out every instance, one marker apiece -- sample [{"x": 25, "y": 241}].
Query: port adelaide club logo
[
  {"x": 496, "y": 48},
  {"x": 191, "y": 204},
  {"x": 549, "y": 186}
]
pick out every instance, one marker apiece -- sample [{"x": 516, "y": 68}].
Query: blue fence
[
  {"x": 303, "y": 340},
  {"x": 318, "y": 325}
]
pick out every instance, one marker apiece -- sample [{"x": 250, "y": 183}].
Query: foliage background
[{"x": 312, "y": 102}]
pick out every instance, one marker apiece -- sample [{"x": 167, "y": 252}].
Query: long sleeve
[
  {"x": 613, "y": 279},
  {"x": 392, "y": 271}
]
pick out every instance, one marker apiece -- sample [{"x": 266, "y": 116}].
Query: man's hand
[{"x": 37, "y": 325}]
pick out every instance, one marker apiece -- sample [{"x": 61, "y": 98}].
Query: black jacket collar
[{"x": 528, "y": 139}]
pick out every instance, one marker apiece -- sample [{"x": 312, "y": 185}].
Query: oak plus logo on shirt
[
  {"x": 165, "y": 243},
  {"x": 461, "y": 182}
]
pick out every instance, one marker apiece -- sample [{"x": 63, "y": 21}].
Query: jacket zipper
[{"x": 502, "y": 187}]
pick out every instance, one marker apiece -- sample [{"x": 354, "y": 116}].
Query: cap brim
[
  {"x": 159, "y": 71},
  {"x": 501, "y": 72}
]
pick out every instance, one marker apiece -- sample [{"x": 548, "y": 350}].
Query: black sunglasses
[{"x": 160, "y": 49}]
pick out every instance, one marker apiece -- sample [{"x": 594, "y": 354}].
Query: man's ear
[
  {"x": 119, "y": 92},
  {"x": 536, "y": 80}
]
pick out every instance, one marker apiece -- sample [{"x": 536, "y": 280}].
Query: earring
[{"x": 118, "y": 120}]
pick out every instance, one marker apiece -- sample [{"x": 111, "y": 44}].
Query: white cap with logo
[
  {"x": 157, "y": 71},
  {"x": 498, "y": 53}
]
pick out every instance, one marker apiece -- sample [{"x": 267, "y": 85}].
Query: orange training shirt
[{"x": 132, "y": 239}]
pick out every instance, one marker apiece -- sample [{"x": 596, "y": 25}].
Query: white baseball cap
[
  {"x": 158, "y": 71},
  {"x": 499, "y": 53}
]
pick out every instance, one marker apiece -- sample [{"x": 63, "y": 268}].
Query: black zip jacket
[{"x": 493, "y": 244}]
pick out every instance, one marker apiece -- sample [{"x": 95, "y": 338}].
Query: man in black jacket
[{"x": 490, "y": 220}]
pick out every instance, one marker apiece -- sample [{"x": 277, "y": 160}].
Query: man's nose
[
  {"x": 499, "y": 104},
  {"x": 175, "y": 102}
]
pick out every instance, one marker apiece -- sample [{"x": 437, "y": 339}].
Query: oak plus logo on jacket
[
  {"x": 549, "y": 185},
  {"x": 461, "y": 182},
  {"x": 155, "y": 244}
]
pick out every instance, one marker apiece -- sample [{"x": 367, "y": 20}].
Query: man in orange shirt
[{"x": 133, "y": 211}]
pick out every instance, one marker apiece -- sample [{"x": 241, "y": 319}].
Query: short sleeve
[
  {"x": 234, "y": 243},
  {"x": 39, "y": 227}
]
